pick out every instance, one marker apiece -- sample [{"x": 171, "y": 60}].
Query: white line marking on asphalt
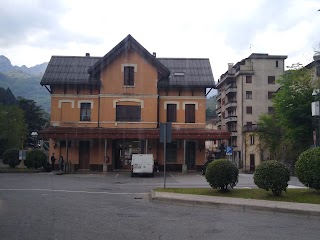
[
  {"x": 116, "y": 176},
  {"x": 172, "y": 175},
  {"x": 68, "y": 191}
]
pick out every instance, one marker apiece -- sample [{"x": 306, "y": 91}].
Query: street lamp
[{"x": 34, "y": 136}]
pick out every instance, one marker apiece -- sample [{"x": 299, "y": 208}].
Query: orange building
[{"x": 104, "y": 109}]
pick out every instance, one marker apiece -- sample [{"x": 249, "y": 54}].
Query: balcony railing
[
  {"x": 250, "y": 128},
  {"x": 231, "y": 88},
  {"x": 231, "y": 104},
  {"x": 232, "y": 118}
]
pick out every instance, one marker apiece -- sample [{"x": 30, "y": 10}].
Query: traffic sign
[{"x": 229, "y": 151}]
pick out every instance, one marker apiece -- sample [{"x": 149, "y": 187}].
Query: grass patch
[{"x": 292, "y": 195}]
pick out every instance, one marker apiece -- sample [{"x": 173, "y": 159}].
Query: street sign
[{"x": 229, "y": 151}]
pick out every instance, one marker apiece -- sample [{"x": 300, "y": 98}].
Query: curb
[{"x": 311, "y": 211}]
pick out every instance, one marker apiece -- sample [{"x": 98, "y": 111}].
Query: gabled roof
[
  {"x": 69, "y": 70},
  {"x": 175, "y": 72},
  {"x": 187, "y": 72},
  {"x": 129, "y": 43}
]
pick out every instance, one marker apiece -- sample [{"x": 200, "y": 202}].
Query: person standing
[
  {"x": 53, "y": 159},
  {"x": 61, "y": 163}
]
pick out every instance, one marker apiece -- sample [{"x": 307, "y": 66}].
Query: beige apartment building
[{"x": 244, "y": 92}]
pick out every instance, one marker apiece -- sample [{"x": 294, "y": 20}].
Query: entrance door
[
  {"x": 190, "y": 155},
  {"x": 252, "y": 163},
  {"x": 84, "y": 154}
]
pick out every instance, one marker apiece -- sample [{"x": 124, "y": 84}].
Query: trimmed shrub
[
  {"x": 307, "y": 168},
  {"x": 11, "y": 157},
  {"x": 35, "y": 159},
  {"x": 272, "y": 175},
  {"x": 222, "y": 174}
]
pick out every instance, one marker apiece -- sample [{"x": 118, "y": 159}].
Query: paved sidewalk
[{"x": 238, "y": 204}]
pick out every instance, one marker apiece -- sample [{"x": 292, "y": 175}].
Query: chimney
[
  {"x": 87, "y": 54},
  {"x": 154, "y": 54}
]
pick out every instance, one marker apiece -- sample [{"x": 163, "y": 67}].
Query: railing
[
  {"x": 231, "y": 104},
  {"x": 250, "y": 128}
]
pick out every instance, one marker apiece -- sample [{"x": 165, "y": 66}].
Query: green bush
[
  {"x": 222, "y": 174},
  {"x": 272, "y": 175},
  {"x": 35, "y": 159},
  {"x": 307, "y": 168},
  {"x": 11, "y": 157}
]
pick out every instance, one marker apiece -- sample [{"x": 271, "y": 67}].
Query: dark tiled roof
[
  {"x": 174, "y": 72},
  {"x": 69, "y": 70},
  {"x": 127, "y": 44},
  {"x": 187, "y": 72}
]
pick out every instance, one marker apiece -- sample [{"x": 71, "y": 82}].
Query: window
[
  {"x": 271, "y": 79},
  {"x": 171, "y": 112},
  {"x": 128, "y": 76},
  {"x": 270, "y": 110},
  {"x": 190, "y": 115},
  {"x": 223, "y": 115},
  {"x": 251, "y": 139},
  {"x": 277, "y": 64},
  {"x": 270, "y": 95},
  {"x": 249, "y": 123},
  {"x": 248, "y": 94},
  {"x": 128, "y": 113},
  {"x": 249, "y": 110},
  {"x": 171, "y": 153},
  {"x": 248, "y": 79},
  {"x": 85, "y": 112}
]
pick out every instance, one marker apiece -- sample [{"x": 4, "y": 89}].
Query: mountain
[
  {"x": 6, "y": 67},
  {"x": 7, "y": 97},
  {"x": 25, "y": 82}
]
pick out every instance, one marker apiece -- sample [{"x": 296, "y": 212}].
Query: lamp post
[
  {"x": 34, "y": 136},
  {"x": 315, "y": 106}
]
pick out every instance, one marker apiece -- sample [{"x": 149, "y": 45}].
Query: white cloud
[{"x": 220, "y": 30}]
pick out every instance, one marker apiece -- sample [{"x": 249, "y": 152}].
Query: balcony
[
  {"x": 231, "y": 104},
  {"x": 250, "y": 128},
  {"x": 231, "y": 119},
  {"x": 218, "y": 96},
  {"x": 230, "y": 74},
  {"x": 218, "y": 109},
  {"x": 231, "y": 88},
  {"x": 245, "y": 70}
]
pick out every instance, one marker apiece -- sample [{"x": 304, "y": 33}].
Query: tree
[
  {"x": 12, "y": 127},
  {"x": 288, "y": 132},
  {"x": 35, "y": 117}
]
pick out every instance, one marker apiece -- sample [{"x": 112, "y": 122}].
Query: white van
[{"x": 142, "y": 164}]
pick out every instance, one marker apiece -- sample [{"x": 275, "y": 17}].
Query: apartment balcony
[
  {"x": 231, "y": 88},
  {"x": 218, "y": 96},
  {"x": 231, "y": 104},
  {"x": 245, "y": 70},
  {"x": 250, "y": 128},
  {"x": 231, "y": 119},
  {"x": 218, "y": 110},
  {"x": 230, "y": 74}
]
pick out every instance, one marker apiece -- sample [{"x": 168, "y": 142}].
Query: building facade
[
  {"x": 104, "y": 109},
  {"x": 244, "y": 92}
]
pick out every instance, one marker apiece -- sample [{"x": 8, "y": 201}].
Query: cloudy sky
[{"x": 31, "y": 31}]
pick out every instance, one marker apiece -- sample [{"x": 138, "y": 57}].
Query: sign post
[{"x": 165, "y": 136}]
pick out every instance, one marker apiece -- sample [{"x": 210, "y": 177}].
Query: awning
[{"x": 129, "y": 133}]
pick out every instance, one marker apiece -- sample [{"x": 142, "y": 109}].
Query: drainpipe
[{"x": 99, "y": 110}]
